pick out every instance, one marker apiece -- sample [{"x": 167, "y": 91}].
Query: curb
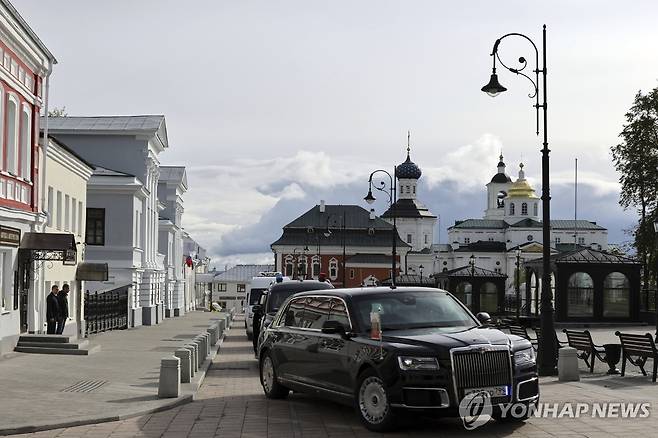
[{"x": 97, "y": 420}]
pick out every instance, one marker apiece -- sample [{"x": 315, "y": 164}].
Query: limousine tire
[
  {"x": 372, "y": 404},
  {"x": 272, "y": 388}
]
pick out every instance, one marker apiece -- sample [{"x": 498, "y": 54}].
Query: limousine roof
[{"x": 363, "y": 291}]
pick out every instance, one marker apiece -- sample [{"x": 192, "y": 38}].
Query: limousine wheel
[
  {"x": 271, "y": 387},
  {"x": 372, "y": 403}
]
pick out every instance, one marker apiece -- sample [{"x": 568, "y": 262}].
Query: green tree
[
  {"x": 636, "y": 160},
  {"x": 58, "y": 112}
]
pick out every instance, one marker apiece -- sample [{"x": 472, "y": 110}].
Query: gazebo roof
[
  {"x": 410, "y": 280},
  {"x": 585, "y": 256},
  {"x": 467, "y": 271}
]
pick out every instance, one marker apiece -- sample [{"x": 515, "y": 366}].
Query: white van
[{"x": 256, "y": 287}]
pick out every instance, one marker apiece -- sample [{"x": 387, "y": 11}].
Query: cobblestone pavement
[{"x": 231, "y": 404}]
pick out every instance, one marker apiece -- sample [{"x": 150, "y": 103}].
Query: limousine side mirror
[
  {"x": 483, "y": 317},
  {"x": 332, "y": 328}
]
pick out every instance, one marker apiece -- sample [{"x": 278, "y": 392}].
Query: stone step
[
  {"x": 67, "y": 345},
  {"x": 51, "y": 350},
  {"x": 51, "y": 339}
]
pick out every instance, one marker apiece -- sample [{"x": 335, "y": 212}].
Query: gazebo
[
  {"x": 481, "y": 290},
  {"x": 411, "y": 280},
  {"x": 588, "y": 286}
]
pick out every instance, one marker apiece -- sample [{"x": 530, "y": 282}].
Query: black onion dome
[
  {"x": 501, "y": 178},
  {"x": 409, "y": 169}
]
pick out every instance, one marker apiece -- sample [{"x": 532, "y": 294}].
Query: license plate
[{"x": 493, "y": 391}]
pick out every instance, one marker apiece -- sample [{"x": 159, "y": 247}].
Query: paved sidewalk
[
  {"x": 125, "y": 373},
  {"x": 231, "y": 404}
]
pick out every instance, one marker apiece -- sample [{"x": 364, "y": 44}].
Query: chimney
[
  {"x": 322, "y": 206},
  {"x": 372, "y": 214}
]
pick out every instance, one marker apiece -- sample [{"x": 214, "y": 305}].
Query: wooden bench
[
  {"x": 522, "y": 332},
  {"x": 642, "y": 347},
  {"x": 582, "y": 341},
  {"x": 558, "y": 343}
]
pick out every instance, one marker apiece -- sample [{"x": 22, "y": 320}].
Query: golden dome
[{"x": 520, "y": 188}]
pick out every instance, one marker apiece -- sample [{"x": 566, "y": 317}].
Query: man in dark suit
[
  {"x": 63, "y": 301},
  {"x": 52, "y": 310}
]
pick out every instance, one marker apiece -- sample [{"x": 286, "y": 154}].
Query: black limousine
[{"x": 383, "y": 350}]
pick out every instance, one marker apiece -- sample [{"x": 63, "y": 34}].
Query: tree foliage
[
  {"x": 58, "y": 112},
  {"x": 636, "y": 160}
]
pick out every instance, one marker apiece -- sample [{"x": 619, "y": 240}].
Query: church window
[
  {"x": 351, "y": 274},
  {"x": 511, "y": 209},
  {"x": 535, "y": 209},
  {"x": 427, "y": 238},
  {"x": 413, "y": 189},
  {"x": 498, "y": 270},
  {"x": 316, "y": 266},
  {"x": 467, "y": 240},
  {"x": 524, "y": 209},
  {"x": 581, "y": 241},
  {"x": 333, "y": 269},
  {"x": 557, "y": 240},
  {"x": 408, "y": 189},
  {"x": 408, "y": 238}
]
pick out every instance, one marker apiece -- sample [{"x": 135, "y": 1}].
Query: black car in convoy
[
  {"x": 428, "y": 354},
  {"x": 272, "y": 299}
]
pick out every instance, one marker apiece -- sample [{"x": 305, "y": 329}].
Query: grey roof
[
  {"x": 353, "y": 237},
  {"x": 408, "y": 208},
  {"x": 356, "y": 217},
  {"x": 527, "y": 223},
  {"x": 369, "y": 258},
  {"x": 560, "y": 224},
  {"x": 242, "y": 272},
  {"x": 173, "y": 173},
  {"x": 411, "y": 280},
  {"x": 483, "y": 246},
  {"x": 586, "y": 256},
  {"x": 115, "y": 125},
  {"x": 481, "y": 223},
  {"x": 103, "y": 171}
]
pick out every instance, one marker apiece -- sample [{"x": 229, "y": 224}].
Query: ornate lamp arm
[{"x": 382, "y": 185}]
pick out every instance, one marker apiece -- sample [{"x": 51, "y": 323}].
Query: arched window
[
  {"x": 535, "y": 209},
  {"x": 316, "y": 266},
  {"x": 488, "y": 297},
  {"x": 511, "y": 209},
  {"x": 524, "y": 209},
  {"x": 500, "y": 199},
  {"x": 464, "y": 293},
  {"x": 580, "y": 295},
  {"x": 289, "y": 266},
  {"x": 12, "y": 135},
  {"x": 333, "y": 269},
  {"x": 616, "y": 295},
  {"x": 26, "y": 140},
  {"x": 302, "y": 267}
]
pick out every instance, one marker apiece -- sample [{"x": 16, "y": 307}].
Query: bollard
[
  {"x": 195, "y": 357},
  {"x": 185, "y": 364},
  {"x": 208, "y": 346},
  {"x": 204, "y": 347},
  {"x": 169, "y": 385},
  {"x": 567, "y": 365},
  {"x": 212, "y": 331},
  {"x": 222, "y": 326},
  {"x": 190, "y": 348},
  {"x": 201, "y": 354}
]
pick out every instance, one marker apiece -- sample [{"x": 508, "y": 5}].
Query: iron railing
[{"x": 106, "y": 311}]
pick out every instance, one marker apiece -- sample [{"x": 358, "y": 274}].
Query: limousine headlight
[
  {"x": 524, "y": 356},
  {"x": 413, "y": 363}
]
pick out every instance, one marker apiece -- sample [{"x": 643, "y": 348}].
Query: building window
[
  {"x": 316, "y": 266},
  {"x": 557, "y": 240},
  {"x": 524, "y": 209},
  {"x": 67, "y": 212},
  {"x": 535, "y": 209},
  {"x": 467, "y": 240},
  {"x": 491, "y": 239},
  {"x": 289, "y": 267},
  {"x": 221, "y": 287},
  {"x": 301, "y": 266},
  {"x": 333, "y": 269},
  {"x": 26, "y": 149},
  {"x": 59, "y": 210},
  {"x": 498, "y": 270},
  {"x": 408, "y": 238},
  {"x": 427, "y": 238},
  {"x": 12, "y": 135},
  {"x": 351, "y": 274},
  {"x": 210, "y": 286},
  {"x": 50, "y": 206},
  {"x": 581, "y": 241},
  {"x": 74, "y": 214},
  {"x": 511, "y": 209},
  {"x": 95, "y": 226},
  {"x": 242, "y": 288},
  {"x": 413, "y": 189},
  {"x": 80, "y": 218}
]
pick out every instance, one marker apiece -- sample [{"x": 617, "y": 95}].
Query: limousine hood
[{"x": 442, "y": 341}]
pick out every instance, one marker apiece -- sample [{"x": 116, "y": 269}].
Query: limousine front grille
[{"x": 481, "y": 367}]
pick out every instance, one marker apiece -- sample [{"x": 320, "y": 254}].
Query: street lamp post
[
  {"x": 391, "y": 191},
  {"x": 518, "y": 284},
  {"x": 547, "y": 351},
  {"x": 420, "y": 269},
  {"x": 655, "y": 301},
  {"x": 471, "y": 262}
]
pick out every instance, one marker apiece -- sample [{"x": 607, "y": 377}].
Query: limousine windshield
[{"x": 411, "y": 310}]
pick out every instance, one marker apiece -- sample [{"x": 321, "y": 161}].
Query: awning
[
  {"x": 91, "y": 272},
  {"x": 50, "y": 246}
]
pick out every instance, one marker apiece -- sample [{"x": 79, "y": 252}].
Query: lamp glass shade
[
  {"x": 369, "y": 198},
  {"x": 493, "y": 88}
]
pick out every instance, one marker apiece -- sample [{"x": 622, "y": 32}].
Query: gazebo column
[{"x": 528, "y": 285}]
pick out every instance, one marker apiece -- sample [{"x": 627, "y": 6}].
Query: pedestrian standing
[
  {"x": 52, "y": 310},
  {"x": 63, "y": 301}
]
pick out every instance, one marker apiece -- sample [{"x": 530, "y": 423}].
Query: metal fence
[{"x": 106, "y": 311}]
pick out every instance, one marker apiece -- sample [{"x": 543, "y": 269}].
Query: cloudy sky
[{"x": 274, "y": 105}]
